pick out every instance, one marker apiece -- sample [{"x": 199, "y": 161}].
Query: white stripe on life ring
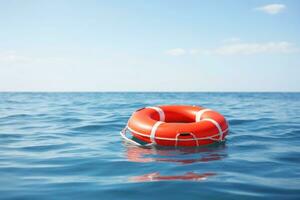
[
  {"x": 217, "y": 125},
  {"x": 160, "y": 112},
  {"x": 153, "y": 131},
  {"x": 200, "y": 113}
]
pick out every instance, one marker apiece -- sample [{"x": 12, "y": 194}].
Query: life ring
[{"x": 176, "y": 125}]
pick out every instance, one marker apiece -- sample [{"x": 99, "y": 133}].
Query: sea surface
[{"x": 67, "y": 146}]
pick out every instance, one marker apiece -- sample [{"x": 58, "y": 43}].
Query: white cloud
[
  {"x": 272, "y": 9},
  {"x": 176, "y": 52},
  {"x": 193, "y": 51},
  {"x": 254, "y": 48},
  {"x": 13, "y": 57},
  {"x": 232, "y": 40},
  {"x": 239, "y": 48}
]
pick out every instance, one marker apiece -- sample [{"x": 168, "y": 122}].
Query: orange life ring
[{"x": 177, "y": 125}]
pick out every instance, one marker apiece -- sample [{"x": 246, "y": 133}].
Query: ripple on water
[{"x": 68, "y": 144}]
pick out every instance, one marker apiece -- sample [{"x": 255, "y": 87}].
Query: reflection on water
[
  {"x": 183, "y": 155},
  {"x": 190, "y": 176},
  {"x": 179, "y": 155}
]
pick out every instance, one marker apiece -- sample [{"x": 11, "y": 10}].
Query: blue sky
[{"x": 136, "y": 45}]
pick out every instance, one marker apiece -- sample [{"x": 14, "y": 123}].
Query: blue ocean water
[{"x": 67, "y": 146}]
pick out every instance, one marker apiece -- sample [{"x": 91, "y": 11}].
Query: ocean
[{"x": 67, "y": 146}]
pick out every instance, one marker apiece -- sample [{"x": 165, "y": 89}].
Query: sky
[{"x": 142, "y": 45}]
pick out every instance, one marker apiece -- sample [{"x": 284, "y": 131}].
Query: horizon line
[{"x": 140, "y": 91}]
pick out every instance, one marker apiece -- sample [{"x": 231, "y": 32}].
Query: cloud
[
  {"x": 176, "y": 52},
  {"x": 272, "y": 9},
  {"x": 13, "y": 57},
  {"x": 239, "y": 48},
  {"x": 254, "y": 48},
  {"x": 193, "y": 51},
  {"x": 232, "y": 40}
]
